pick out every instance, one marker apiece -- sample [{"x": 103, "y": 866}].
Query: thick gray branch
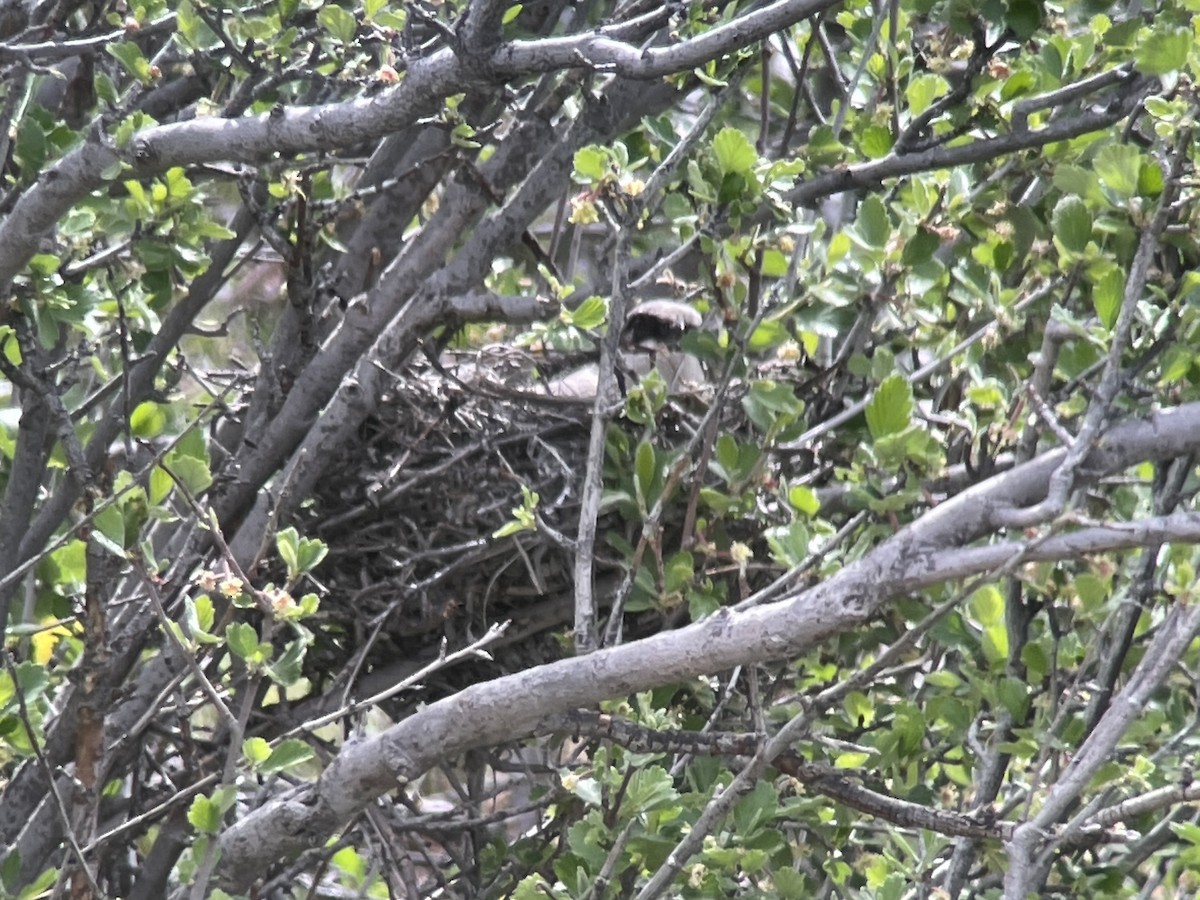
[
  {"x": 507, "y": 708},
  {"x": 600, "y": 51},
  {"x": 300, "y": 129}
]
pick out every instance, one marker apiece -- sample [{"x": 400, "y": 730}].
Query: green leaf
[
  {"x": 256, "y": 750},
  {"x": 1078, "y": 180},
  {"x": 588, "y": 315},
  {"x": 735, "y": 154},
  {"x": 31, "y": 145},
  {"x": 788, "y": 544},
  {"x": 1108, "y": 294},
  {"x": 312, "y": 551},
  {"x": 591, "y": 163},
  {"x": 192, "y": 472},
  {"x": 161, "y": 485},
  {"x": 1163, "y": 51},
  {"x": 204, "y": 815},
  {"x": 192, "y": 630},
  {"x": 1072, "y": 223},
  {"x": 650, "y": 788},
  {"x": 876, "y": 142},
  {"x": 338, "y": 22},
  {"x": 193, "y": 30},
  {"x": 1014, "y": 695},
  {"x": 512, "y": 12},
  {"x": 772, "y": 406},
  {"x": 586, "y": 789},
  {"x": 756, "y": 809},
  {"x": 1176, "y": 364},
  {"x": 1150, "y": 179},
  {"x": 287, "y": 755},
  {"x": 288, "y": 668},
  {"x": 243, "y": 639},
  {"x": 767, "y": 336},
  {"x": 920, "y": 248},
  {"x": 873, "y": 225},
  {"x": 109, "y": 524},
  {"x": 131, "y": 59},
  {"x": 147, "y": 420},
  {"x": 890, "y": 410},
  {"x": 287, "y": 545},
  {"x": 789, "y": 884},
  {"x": 922, "y": 90},
  {"x": 205, "y": 617},
  {"x": 987, "y": 605},
  {"x": 351, "y": 863},
  {"x": 1119, "y": 166},
  {"x": 645, "y": 471},
  {"x": 1024, "y": 17},
  {"x": 524, "y": 516},
  {"x": 802, "y": 499},
  {"x": 774, "y": 263}
]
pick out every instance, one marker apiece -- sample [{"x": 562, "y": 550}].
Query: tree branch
[{"x": 511, "y": 707}]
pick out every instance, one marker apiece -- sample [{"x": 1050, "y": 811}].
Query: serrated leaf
[
  {"x": 922, "y": 90},
  {"x": 873, "y": 225},
  {"x": 735, "y": 154},
  {"x": 204, "y": 815},
  {"x": 890, "y": 410},
  {"x": 338, "y": 22},
  {"x": 1118, "y": 166},
  {"x": 131, "y": 58},
  {"x": 1163, "y": 51},
  {"x": 588, "y": 315},
  {"x": 256, "y": 750},
  {"x": 650, "y": 788},
  {"x": 312, "y": 551},
  {"x": 591, "y": 163},
  {"x": 243, "y": 639},
  {"x": 987, "y": 605},
  {"x": 1072, "y": 223},
  {"x": 876, "y": 142},
  {"x": 192, "y": 472},
  {"x": 288, "y": 754}
]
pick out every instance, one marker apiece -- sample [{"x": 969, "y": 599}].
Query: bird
[{"x": 650, "y": 340}]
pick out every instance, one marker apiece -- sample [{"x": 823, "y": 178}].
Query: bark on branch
[{"x": 518, "y": 705}]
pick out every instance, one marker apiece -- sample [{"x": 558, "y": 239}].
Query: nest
[{"x": 415, "y": 568}]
